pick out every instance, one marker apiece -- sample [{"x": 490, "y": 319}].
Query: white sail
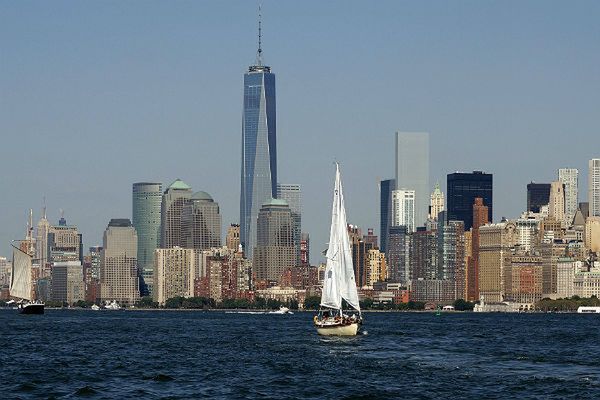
[
  {"x": 339, "y": 282},
  {"x": 20, "y": 284}
]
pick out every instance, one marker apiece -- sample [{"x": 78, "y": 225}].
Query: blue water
[{"x": 180, "y": 355}]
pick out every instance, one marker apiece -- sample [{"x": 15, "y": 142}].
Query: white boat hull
[{"x": 338, "y": 330}]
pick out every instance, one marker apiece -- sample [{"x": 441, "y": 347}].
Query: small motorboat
[{"x": 282, "y": 310}]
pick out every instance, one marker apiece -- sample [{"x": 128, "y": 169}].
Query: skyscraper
[
  {"x": 41, "y": 242},
  {"x": 538, "y": 195},
  {"x": 274, "y": 250},
  {"x": 412, "y": 169},
  {"x": 403, "y": 208},
  {"x": 385, "y": 211},
  {"x": 556, "y": 206},
  {"x": 259, "y": 151},
  {"x": 463, "y": 189},
  {"x": 594, "y": 187},
  {"x": 201, "y": 222},
  {"x": 292, "y": 195},
  {"x": 175, "y": 272},
  {"x": 146, "y": 203},
  {"x": 480, "y": 218},
  {"x": 569, "y": 178},
  {"x": 118, "y": 272},
  {"x": 436, "y": 204},
  {"x": 172, "y": 204}
]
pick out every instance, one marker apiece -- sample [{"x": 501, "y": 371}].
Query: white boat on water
[
  {"x": 282, "y": 310},
  {"x": 588, "y": 310},
  {"x": 95, "y": 307},
  {"x": 112, "y": 305},
  {"x": 339, "y": 283}
]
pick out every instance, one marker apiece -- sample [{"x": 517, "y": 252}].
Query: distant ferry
[{"x": 588, "y": 310}]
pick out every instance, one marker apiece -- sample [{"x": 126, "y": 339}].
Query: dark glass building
[
  {"x": 259, "y": 154},
  {"x": 385, "y": 211},
  {"x": 463, "y": 188},
  {"x": 538, "y": 195}
]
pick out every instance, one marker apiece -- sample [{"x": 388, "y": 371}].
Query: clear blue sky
[{"x": 97, "y": 95}]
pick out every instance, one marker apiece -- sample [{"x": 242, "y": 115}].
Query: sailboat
[
  {"x": 339, "y": 284},
  {"x": 21, "y": 285}
]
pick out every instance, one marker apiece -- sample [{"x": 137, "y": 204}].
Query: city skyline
[{"x": 80, "y": 133}]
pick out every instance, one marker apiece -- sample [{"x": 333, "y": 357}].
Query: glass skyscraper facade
[
  {"x": 147, "y": 197},
  {"x": 463, "y": 189},
  {"x": 292, "y": 195},
  {"x": 385, "y": 211},
  {"x": 259, "y": 154}
]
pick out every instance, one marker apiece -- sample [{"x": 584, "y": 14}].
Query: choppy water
[{"x": 177, "y": 355}]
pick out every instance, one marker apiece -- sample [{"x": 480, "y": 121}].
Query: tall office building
[
  {"x": 64, "y": 243},
  {"x": 385, "y": 211},
  {"x": 403, "y": 208},
  {"x": 569, "y": 178},
  {"x": 201, "y": 222},
  {"x": 118, "y": 272},
  {"x": 463, "y": 188},
  {"x": 146, "y": 203},
  {"x": 41, "y": 242},
  {"x": 397, "y": 254},
  {"x": 259, "y": 151},
  {"x": 480, "y": 218},
  {"x": 556, "y": 206},
  {"x": 594, "y": 187},
  {"x": 412, "y": 169},
  {"x": 172, "y": 204},
  {"x": 305, "y": 249},
  {"x": 538, "y": 195},
  {"x": 292, "y": 195},
  {"x": 436, "y": 204},
  {"x": 274, "y": 250}
]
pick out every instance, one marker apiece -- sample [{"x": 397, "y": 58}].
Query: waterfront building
[
  {"x": 259, "y": 151},
  {"x": 95, "y": 260},
  {"x": 385, "y": 211},
  {"x": 556, "y": 206},
  {"x": 592, "y": 234},
  {"x": 200, "y": 222},
  {"x": 469, "y": 264},
  {"x": 594, "y": 187},
  {"x": 397, "y": 254},
  {"x": 376, "y": 267},
  {"x": 569, "y": 178},
  {"x": 223, "y": 273},
  {"x": 423, "y": 255},
  {"x": 496, "y": 242},
  {"x": 524, "y": 279},
  {"x": 463, "y": 188},
  {"x": 538, "y": 195},
  {"x": 292, "y": 196},
  {"x": 67, "y": 282},
  {"x": 173, "y": 200},
  {"x": 118, "y": 272},
  {"x": 437, "y": 201},
  {"x": 480, "y": 218},
  {"x": 301, "y": 277},
  {"x": 5, "y": 272},
  {"x": 174, "y": 272},
  {"x": 274, "y": 249},
  {"x": 451, "y": 249},
  {"x": 432, "y": 290},
  {"x": 566, "y": 269},
  {"x": 587, "y": 283},
  {"x": 146, "y": 219},
  {"x": 304, "y": 249},
  {"x": 232, "y": 240},
  {"x": 412, "y": 169},
  {"x": 403, "y": 208}
]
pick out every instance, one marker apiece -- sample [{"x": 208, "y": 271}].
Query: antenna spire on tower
[{"x": 259, "y": 52}]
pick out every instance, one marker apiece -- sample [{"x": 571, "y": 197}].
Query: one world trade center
[{"x": 259, "y": 154}]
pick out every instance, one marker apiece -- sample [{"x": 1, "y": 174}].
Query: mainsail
[
  {"x": 20, "y": 283},
  {"x": 339, "y": 282}
]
